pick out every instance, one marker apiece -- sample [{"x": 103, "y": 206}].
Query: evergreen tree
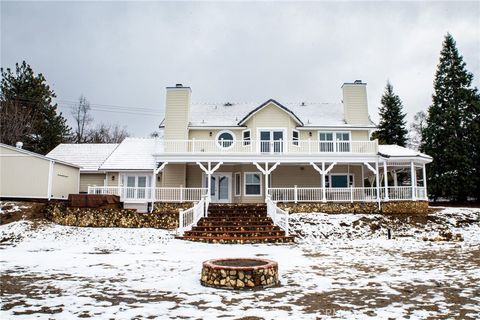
[
  {"x": 452, "y": 133},
  {"x": 391, "y": 129},
  {"x": 32, "y": 98}
]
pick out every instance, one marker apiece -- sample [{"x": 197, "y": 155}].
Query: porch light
[
  {"x": 113, "y": 178},
  {"x": 310, "y": 133},
  {"x": 210, "y": 133}
]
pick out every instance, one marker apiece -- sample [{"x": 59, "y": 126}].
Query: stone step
[
  {"x": 234, "y": 221},
  {"x": 239, "y": 240},
  {"x": 238, "y": 215},
  {"x": 240, "y": 234},
  {"x": 269, "y": 227}
]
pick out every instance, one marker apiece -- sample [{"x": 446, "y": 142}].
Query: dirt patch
[{"x": 15, "y": 211}]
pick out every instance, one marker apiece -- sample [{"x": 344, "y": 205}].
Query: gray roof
[{"x": 88, "y": 156}]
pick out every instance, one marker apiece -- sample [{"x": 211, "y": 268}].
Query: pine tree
[
  {"x": 32, "y": 99},
  {"x": 452, "y": 133},
  {"x": 391, "y": 129}
]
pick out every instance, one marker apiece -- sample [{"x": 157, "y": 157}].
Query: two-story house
[{"x": 253, "y": 152}]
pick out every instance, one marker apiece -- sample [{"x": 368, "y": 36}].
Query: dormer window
[{"x": 225, "y": 139}]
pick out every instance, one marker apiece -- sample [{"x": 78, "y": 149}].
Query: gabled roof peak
[{"x": 278, "y": 104}]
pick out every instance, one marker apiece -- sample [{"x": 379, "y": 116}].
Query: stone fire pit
[{"x": 239, "y": 273}]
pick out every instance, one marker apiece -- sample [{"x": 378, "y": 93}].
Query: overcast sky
[{"x": 124, "y": 54}]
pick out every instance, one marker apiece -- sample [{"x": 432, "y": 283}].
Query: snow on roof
[
  {"x": 132, "y": 154},
  {"x": 229, "y": 114},
  {"x": 47, "y": 157},
  {"x": 89, "y": 156},
  {"x": 392, "y": 150}
]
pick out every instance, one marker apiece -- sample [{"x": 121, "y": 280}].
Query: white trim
[
  {"x": 249, "y": 139},
  {"x": 217, "y": 175},
  {"x": 245, "y": 184},
  {"x": 271, "y": 129},
  {"x": 293, "y": 138},
  {"x": 33, "y": 154},
  {"x": 238, "y": 191},
  {"x": 50, "y": 179},
  {"x": 329, "y": 176},
  {"x": 222, "y": 132},
  {"x": 276, "y": 104}
]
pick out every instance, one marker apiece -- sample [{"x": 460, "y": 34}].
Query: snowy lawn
[{"x": 343, "y": 267}]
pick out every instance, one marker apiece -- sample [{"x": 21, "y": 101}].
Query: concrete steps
[{"x": 237, "y": 223}]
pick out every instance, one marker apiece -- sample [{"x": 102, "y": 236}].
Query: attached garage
[{"x": 25, "y": 174}]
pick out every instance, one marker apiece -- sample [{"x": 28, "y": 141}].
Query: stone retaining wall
[
  {"x": 392, "y": 207},
  {"x": 165, "y": 216}
]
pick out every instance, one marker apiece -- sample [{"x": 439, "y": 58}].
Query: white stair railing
[
  {"x": 278, "y": 215},
  {"x": 190, "y": 217}
]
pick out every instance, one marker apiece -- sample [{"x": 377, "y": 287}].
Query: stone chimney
[
  {"x": 177, "y": 112},
  {"x": 355, "y": 105}
]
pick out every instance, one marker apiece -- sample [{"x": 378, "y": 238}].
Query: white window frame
[
  {"x": 285, "y": 137},
  {"x": 329, "y": 179},
  {"x": 297, "y": 141},
  {"x": 238, "y": 191},
  {"x": 218, "y": 142},
  {"x": 247, "y": 142},
  {"x": 245, "y": 184}
]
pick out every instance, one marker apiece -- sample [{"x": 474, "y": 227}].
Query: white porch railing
[
  {"x": 190, "y": 217},
  {"x": 278, "y": 215},
  {"x": 145, "y": 194},
  {"x": 265, "y": 146},
  {"x": 352, "y": 194}
]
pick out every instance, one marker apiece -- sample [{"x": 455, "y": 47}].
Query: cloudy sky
[{"x": 122, "y": 55}]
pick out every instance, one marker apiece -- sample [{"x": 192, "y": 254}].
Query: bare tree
[
  {"x": 82, "y": 117},
  {"x": 416, "y": 130},
  {"x": 16, "y": 121},
  {"x": 104, "y": 133}
]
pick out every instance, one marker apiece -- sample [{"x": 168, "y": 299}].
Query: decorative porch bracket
[
  {"x": 377, "y": 179},
  {"x": 323, "y": 172},
  {"x": 209, "y": 171},
  {"x": 266, "y": 172}
]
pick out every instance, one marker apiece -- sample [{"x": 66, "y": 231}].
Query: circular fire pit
[{"x": 239, "y": 273}]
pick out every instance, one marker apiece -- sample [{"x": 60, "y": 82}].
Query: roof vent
[
  {"x": 228, "y": 104},
  {"x": 357, "y": 81},
  {"x": 19, "y": 145},
  {"x": 179, "y": 85},
  {"x": 303, "y": 104}
]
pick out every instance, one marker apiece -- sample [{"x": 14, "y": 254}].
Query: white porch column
[
  {"x": 413, "y": 180},
  {"x": 266, "y": 172},
  {"x": 324, "y": 192},
  {"x": 209, "y": 171},
  {"x": 395, "y": 179},
  {"x": 377, "y": 181},
  {"x": 385, "y": 178},
  {"x": 424, "y": 171},
  {"x": 323, "y": 172}
]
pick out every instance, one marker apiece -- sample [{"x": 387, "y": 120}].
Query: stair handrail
[
  {"x": 190, "y": 217},
  {"x": 278, "y": 215}
]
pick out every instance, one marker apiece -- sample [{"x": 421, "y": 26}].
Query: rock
[
  {"x": 222, "y": 282},
  {"x": 240, "y": 283},
  {"x": 232, "y": 282},
  {"x": 233, "y": 272},
  {"x": 241, "y": 275},
  {"x": 250, "y": 283}
]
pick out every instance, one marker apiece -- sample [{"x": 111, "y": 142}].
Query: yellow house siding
[
  {"x": 355, "y": 103},
  {"x": 177, "y": 113},
  {"x": 360, "y": 135},
  {"x": 65, "y": 180},
  {"x": 90, "y": 179},
  {"x": 271, "y": 116},
  {"x": 23, "y": 175},
  {"x": 174, "y": 175},
  {"x": 113, "y": 182}
]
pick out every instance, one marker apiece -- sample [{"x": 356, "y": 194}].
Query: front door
[
  {"x": 221, "y": 187},
  {"x": 271, "y": 141}
]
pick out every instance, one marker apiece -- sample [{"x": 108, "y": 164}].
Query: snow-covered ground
[{"x": 343, "y": 266}]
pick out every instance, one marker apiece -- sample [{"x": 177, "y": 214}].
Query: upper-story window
[
  {"x": 247, "y": 137},
  {"x": 295, "y": 137},
  {"x": 334, "y": 141},
  {"x": 225, "y": 139}
]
